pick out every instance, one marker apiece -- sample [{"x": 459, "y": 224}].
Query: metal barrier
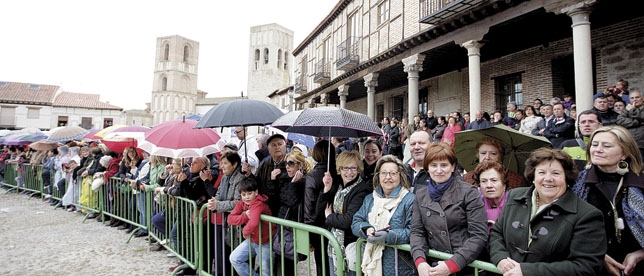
[
  {"x": 119, "y": 201},
  {"x": 193, "y": 235},
  {"x": 477, "y": 265},
  {"x": 32, "y": 179},
  {"x": 10, "y": 174}
]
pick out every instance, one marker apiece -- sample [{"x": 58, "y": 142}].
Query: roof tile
[
  {"x": 91, "y": 101},
  {"x": 26, "y": 93}
]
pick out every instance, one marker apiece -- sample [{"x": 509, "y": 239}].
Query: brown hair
[
  {"x": 439, "y": 151},
  {"x": 547, "y": 154},
  {"x": 492, "y": 142},
  {"x": 404, "y": 180},
  {"x": 498, "y": 167}
]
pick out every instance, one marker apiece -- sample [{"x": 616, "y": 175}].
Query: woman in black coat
[
  {"x": 312, "y": 189},
  {"x": 341, "y": 199}
]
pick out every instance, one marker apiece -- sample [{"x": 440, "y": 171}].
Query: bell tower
[{"x": 174, "y": 87}]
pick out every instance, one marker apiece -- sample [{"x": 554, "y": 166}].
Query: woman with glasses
[
  {"x": 448, "y": 216},
  {"x": 341, "y": 199},
  {"x": 385, "y": 219},
  {"x": 546, "y": 229},
  {"x": 291, "y": 195}
]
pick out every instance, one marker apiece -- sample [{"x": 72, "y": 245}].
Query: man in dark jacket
[
  {"x": 609, "y": 117},
  {"x": 480, "y": 122},
  {"x": 418, "y": 143},
  {"x": 562, "y": 127}
]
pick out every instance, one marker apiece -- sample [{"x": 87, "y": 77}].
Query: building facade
[
  {"x": 174, "y": 86},
  {"x": 400, "y": 57},
  {"x": 269, "y": 62}
]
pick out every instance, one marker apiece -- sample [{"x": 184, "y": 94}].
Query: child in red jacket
[{"x": 248, "y": 211}]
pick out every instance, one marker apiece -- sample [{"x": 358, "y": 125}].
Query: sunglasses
[{"x": 292, "y": 163}]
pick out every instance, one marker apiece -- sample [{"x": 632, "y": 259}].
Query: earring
[{"x": 622, "y": 167}]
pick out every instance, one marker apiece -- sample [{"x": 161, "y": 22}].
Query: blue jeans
[
  {"x": 240, "y": 257},
  {"x": 140, "y": 206},
  {"x": 158, "y": 221},
  {"x": 347, "y": 271}
]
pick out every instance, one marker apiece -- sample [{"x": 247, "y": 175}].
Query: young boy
[{"x": 247, "y": 211}]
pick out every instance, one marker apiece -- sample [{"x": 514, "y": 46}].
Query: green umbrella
[{"x": 517, "y": 145}]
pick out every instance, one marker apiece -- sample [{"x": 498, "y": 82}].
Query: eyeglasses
[
  {"x": 292, "y": 163},
  {"x": 391, "y": 174},
  {"x": 346, "y": 169},
  {"x": 238, "y": 131}
]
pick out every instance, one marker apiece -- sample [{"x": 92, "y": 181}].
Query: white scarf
[{"x": 379, "y": 216}]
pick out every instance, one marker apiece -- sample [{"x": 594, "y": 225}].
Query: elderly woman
[
  {"x": 224, "y": 201},
  {"x": 385, "y": 218},
  {"x": 546, "y": 229},
  {"x": 492, "y": 181},
  {"x": 340, "y": 200},
  {"x": 612, "y": 182},
  {"x": 448, "y": 216}
]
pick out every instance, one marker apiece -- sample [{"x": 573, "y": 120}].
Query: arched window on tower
[
  {"x": 256, "y": 59},
  {"x": 285, "y": 60},
  {"x": 164, "y": 84},
  {"x": 265, "y": 55},
  {"x": 166, "y": 51},
  {"x": 279, "y": 59},
  {"x": 186, "y": 53}
]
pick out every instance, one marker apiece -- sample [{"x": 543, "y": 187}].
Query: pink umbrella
[{"x": 179, "y": 138}]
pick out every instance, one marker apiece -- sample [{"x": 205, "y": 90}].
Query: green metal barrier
[
  {"x": 10, "y": 174},
  {"x": 31, "y": 176},
  {"x": 117, "y": 200},
  {"x": 478, "y": 265}
]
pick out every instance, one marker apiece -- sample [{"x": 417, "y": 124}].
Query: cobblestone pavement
[{"x": 35, "y": 239}]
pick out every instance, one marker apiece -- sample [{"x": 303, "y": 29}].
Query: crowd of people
[{"x": 576, "y": 209}]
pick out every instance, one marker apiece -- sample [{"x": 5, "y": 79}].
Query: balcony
[
  {"x": 300, "y": 84},
  {"x": 348, "y": 57},
  {"x": 435, "y": 11},
  {"x": 322, "y": 72}
]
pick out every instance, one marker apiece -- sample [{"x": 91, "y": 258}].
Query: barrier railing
[
  {"x": 477, "y": 265},
  {"x": 32, "y": 179},
  {"x": 119, "y": 201},
  {"x": 194, "y": 236}
]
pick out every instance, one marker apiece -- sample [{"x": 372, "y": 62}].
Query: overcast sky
[{"x": 108, "y": 47}]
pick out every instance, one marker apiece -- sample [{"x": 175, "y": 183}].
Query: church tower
[
  {"x": 269, "y": 60},
  {"x": 174, "y": 88}
]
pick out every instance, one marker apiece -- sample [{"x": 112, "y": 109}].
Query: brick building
[{"x": 401, "y": 57}]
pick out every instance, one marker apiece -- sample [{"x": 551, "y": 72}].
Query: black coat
[
  {"x": 291, "y": 197},
  {"x": 352, "y": 203},
  {"x": 557, "y": 132},
  {"x": 313, "y": 187}
]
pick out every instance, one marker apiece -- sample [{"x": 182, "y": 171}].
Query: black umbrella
[
  {"x": 241, "y": 112},
  {"x": 328, "y": 121}
]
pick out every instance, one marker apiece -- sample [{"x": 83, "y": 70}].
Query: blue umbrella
[{"x": 306, "y": 140}]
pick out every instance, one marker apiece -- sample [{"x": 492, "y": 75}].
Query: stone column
[
  {"x": 324, "y": 99},
  {"x": 582, "y": 55},
  {"x": 311, "y": 103},
  {"x": 291, "y": 104},
  {"x": 343, "y": 91},
  {"x": 474, "y": 58},
  {"x": 413, "y": 65},
  {"x": 370, "y": 82}
]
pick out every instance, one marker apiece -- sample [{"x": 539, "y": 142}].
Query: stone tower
[
  {"x": 269, "y": 60},
  {"x": 174, "y": 88}
]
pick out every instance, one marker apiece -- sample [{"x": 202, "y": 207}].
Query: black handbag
[{"x": 289, "y": 245}]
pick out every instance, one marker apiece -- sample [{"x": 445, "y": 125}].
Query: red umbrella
[
  {"x": 179, "y": 138},
  {"x": 91, "y": 135}
]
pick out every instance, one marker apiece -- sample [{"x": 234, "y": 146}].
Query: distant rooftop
[
  {"x": 90, "y": 101},
  {"x": 27, "y": 93}
]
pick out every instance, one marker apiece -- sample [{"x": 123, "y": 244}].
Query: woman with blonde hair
[
  {"x": 613, "y": 182},
  {"x": 341, "y": 198},
  {"x": 385, "y": 219}
]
